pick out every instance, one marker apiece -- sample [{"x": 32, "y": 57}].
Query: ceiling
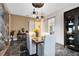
[{"x": 26, "y": 9}]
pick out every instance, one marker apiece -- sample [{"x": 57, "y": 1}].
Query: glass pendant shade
[
  {"x": 34, "y": 13},
  {"x": 42, "y": 17},
  {"x": 37, "y": 17}
]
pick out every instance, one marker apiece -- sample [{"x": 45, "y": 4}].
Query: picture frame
[{"x": 51, "y": 25}]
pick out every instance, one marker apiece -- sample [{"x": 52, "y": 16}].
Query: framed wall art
[{"x": 51, "y": 25}]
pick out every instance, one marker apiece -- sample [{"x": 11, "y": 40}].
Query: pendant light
[
  {"x": 37, "y": 5},
  {"x": 35, "y": 13}
]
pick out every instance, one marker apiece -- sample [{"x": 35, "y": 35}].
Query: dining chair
[
  {"x": 48, "y": 47},
  {"x": 30, "y": 45}
]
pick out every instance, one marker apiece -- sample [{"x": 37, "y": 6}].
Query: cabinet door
[{"x": 77, "y": 30}]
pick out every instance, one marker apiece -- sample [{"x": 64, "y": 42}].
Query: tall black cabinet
[{"x": 71, "y": 29}]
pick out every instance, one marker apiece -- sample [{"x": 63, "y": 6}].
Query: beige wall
[{"x": 18, "y": 22}]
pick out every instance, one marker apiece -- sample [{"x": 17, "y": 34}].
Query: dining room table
[{"x": 37, "y": 41}]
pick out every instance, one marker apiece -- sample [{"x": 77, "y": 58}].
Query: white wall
[
  {"x": 59, "y": 22},
  {"x": 30, "y": 45}
]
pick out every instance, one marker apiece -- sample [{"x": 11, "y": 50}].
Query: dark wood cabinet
[{"x": 71, "y": 29}]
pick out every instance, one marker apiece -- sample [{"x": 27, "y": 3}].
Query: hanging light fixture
[
  {"x": 35, "y": 13},
  {"x": 42, "y": 17},
  {"x": 37, "y": 17},
  {"x": 37, "y": 5}
]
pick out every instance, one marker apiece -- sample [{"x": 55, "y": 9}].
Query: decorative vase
[{"x": 37, "y": 34}]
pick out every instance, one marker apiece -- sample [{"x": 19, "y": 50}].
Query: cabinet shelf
[
  {"x": 70, "y": 34},
  {"x": 71, "y": 29}
]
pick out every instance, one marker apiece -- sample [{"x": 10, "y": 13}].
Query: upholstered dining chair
[
  {"x": 30, "y": 45},
  {"x": 48, "y": 47}
]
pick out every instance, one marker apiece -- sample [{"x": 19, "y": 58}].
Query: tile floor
[{"x": 60, "y": 50}]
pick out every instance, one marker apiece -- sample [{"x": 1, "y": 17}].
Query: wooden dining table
[{"x": 37, "y": 41}]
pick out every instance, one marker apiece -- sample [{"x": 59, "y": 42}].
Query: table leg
[{"x": 37, "y": 49}]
